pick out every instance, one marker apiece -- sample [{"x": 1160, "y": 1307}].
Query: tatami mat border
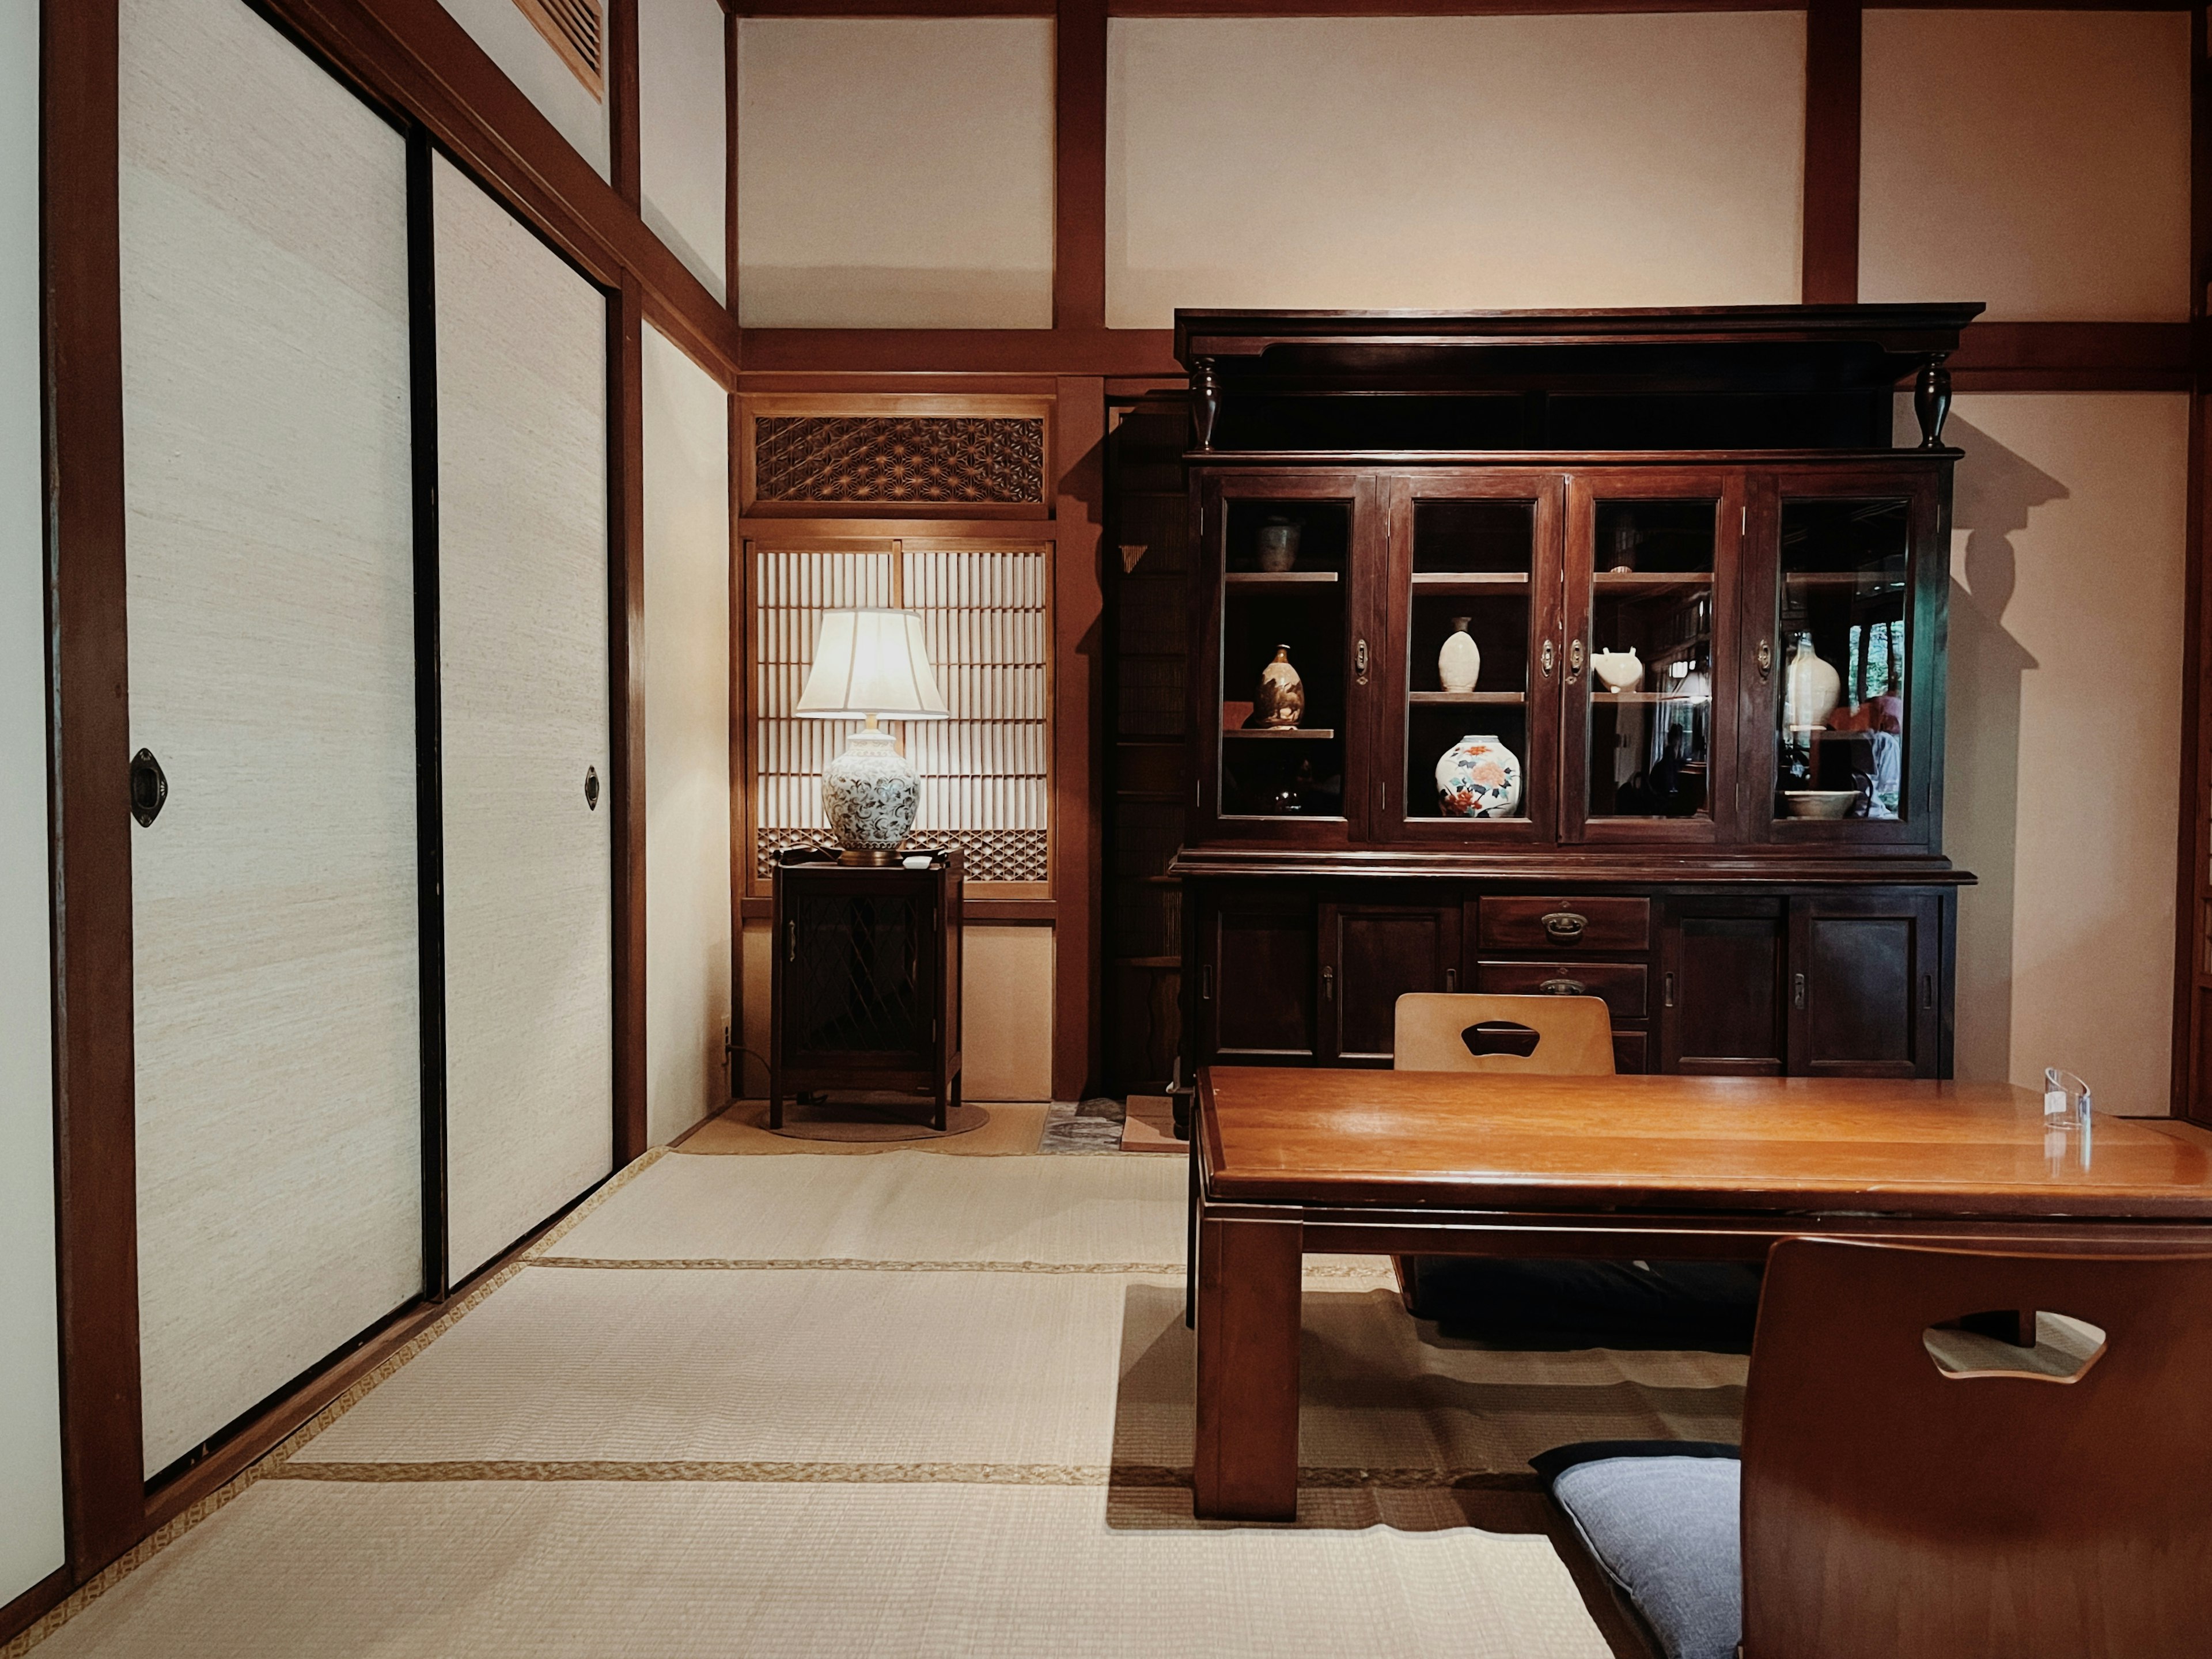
[
  {"x": 880, "y": 1475},
  {"x": 154, "y": 1542}
]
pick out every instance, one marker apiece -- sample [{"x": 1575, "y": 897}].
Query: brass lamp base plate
[{"x": 869, "y": 857}]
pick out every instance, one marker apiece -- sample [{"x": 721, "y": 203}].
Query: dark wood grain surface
[{"x": 1900, "y": 1147}]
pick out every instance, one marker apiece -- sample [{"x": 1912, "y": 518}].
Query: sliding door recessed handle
[
  {"x": 150, "y": 788},
  {"x": 592, "y": 789}
]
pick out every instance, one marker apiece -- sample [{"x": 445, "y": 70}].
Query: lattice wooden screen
[
  {"x": 986, "y": 610},
  {"x": 576, "y": 29}
]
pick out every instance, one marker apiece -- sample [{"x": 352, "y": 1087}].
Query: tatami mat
[
  {"x": 895, "y": 1206},
  {"x": 1063, "y": 1371},
  {"x": 897, "y": 1404},
  {"x": 490, "y": 1570}
]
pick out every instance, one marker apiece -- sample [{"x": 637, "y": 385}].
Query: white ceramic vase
[
  {"x": 1618, "y": 671},
  {"x": 1459, "y": 664},
  {"x": 869, "y": 793},
  {"x": 1478, "y": 777},
  {"x": 1810, "y": 686}
]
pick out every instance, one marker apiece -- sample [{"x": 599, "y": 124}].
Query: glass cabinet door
[
  {"x": 1650, "y": 570},
  {"x": 1473, "y": 598},
  {"x": 1844, "y": 660},
  {"x": 1282, "y": 702}
]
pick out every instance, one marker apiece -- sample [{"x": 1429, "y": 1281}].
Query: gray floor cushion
[{"x": 1664, "y": 1521}]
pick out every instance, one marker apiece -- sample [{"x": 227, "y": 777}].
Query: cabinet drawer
[
  {"x": 1620, "y": 983},
  {"x": 1565, "y": 924}
]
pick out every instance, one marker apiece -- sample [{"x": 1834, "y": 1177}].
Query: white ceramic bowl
[{"x": 1818, "y": 803}]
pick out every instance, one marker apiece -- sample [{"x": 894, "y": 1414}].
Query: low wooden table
[{"x": 1437, "y": 1164}]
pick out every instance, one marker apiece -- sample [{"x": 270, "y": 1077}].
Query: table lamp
[{"x": 868, "y": 665}]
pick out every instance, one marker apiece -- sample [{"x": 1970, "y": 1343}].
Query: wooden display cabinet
[{"x": 1735, "y": 839}]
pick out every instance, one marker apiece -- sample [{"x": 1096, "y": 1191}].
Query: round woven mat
[{"x": 845, "y": 1120}]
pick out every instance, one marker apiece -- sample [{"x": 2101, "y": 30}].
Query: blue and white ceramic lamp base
[{"x": 870, "y": 794}]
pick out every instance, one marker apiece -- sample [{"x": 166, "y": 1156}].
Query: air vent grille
[{"x": 577, "y": 30}]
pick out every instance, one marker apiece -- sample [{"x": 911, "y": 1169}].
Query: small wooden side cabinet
[{"x": 866, "y": 992}]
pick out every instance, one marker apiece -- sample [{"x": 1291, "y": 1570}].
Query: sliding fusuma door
[
  {"x": 522, "y": 510},
  {"x": 272, "y": 680}
]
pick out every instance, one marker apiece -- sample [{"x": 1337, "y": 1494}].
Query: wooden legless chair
[
  {"x": 1533, "y": 1036},
  {"x": 1917, "y": 1491}
]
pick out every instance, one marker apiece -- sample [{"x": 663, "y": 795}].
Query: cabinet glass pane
[
  {"x": 1283, "y": 633},
  {"x": 1840, "y": 716},
  {"x": 1651, "y": 663},
  {"x": 1467, "y": 659}
]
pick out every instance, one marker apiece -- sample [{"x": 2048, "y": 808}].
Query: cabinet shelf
[
  {"x": 1470, "y": 581},
  {"x": 1648, "y": 697},
  {"x": 1279, "y": 734},
  {"x": 1654, "y": 579},
  {"x": 1265, "y": 580},
  {"x": 1426, "y": 697}
]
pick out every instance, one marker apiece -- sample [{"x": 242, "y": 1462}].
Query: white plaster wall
[
  {"x": 687, "y": 739},
  {"x": 512, "y": 41},
  {"x": 683, "y": 140},
  {"x": 2035, "y": 160},
  {"x": 1452, "y": 162},
  {"x": 2062, "y": 784},
  {"x": 895, "y": 173},
  {"x": 30, "y": 1378}
]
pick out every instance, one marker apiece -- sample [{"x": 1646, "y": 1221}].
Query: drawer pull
[
  {"x": 1564, "y": 987},
  {"x": 1667, "y": 991},
  {"x": 1565, "y": 926},
  {"x": 1328, "y": 985}
]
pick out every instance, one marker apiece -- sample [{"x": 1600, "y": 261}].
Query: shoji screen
[
  {"x": 522, "y": 490},
  {"x": 987, "y": 620},
  {"x": 270, "y": 602},
  {"x": 30, "y": 1368}
]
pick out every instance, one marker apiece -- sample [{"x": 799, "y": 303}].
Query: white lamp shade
[{"x": 871, "y": 662}]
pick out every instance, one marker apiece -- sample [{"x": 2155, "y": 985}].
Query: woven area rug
[{"x": 906, "y": 1404}]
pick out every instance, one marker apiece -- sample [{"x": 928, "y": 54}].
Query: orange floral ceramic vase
[{"x": 1478, "y": 778}]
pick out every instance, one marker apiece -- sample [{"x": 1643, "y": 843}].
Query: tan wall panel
[
  {"x": 2035, "y": 160},
  {"x": 1470, "y": 162},
  {"x": 1005, "y": 990},
  {"x": 683, "y": 141},
  {"x": 2061, "y": 778},
  {"x": 895, "y": 173},
  {"x": 268, "y": 479},
  {"x": 1005, "y": 1013},
  {"x": 687, "y": 739}
]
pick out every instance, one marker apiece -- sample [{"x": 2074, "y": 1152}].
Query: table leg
[{"x": 1245, "y": 1465}]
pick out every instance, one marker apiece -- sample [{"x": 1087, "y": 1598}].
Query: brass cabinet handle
[
  {"x": 1565, "y": 926},
  {"x": 791, "y": 941},
  {"x": 1766, "y": 660},
  {"x": 1667, "y": 991},
  {"x": 1564, "y": 987},
  {"x": 1328, "y": 985},
  {"x": 1206, "y": 983},
  {"x": 1574, "y": 661},
  {"x": 1797, "y": 991},
  {"x": 1359, "y": 660},
  {"x": 1549, "y": 659},
  {"x": 1451, "y": 979}
]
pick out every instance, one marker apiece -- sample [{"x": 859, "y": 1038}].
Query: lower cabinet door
[
  {"x": 1721, "y": 1003},
  {"x": 1865, "y": 985},
  {"x": 1256, "y": 983},
  {"x": 1370, "y": 956}
]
